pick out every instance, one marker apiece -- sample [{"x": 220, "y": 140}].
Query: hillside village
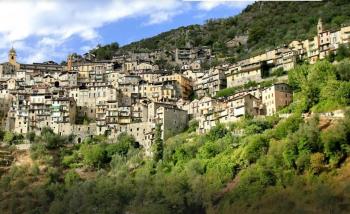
[{"x": 130, "y": 93}]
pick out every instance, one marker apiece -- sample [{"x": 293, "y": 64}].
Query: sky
[{"x": 43, "y": 30}]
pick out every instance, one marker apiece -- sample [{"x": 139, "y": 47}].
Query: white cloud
[
  {"x": 54, "y": 22},
  {"x": 211, "y": 4}
]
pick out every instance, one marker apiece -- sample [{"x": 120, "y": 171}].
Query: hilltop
[{"x": 260, "y": 26}]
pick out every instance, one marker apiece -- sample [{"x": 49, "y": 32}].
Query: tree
[
  {"x": 317, "y": 162},
  {"x": 9, "y": 137},
  {"x": 342, "y": 52},
  {"x": 343, "y": 70},
  {"x": 105, "y": 52},
  {"x": 158, "y": 144},
  {"x": 51, "y": 140},
  {"x": 217, "y": 132},
  {"x": 93, "y": 155},
  {"x": 30, "y": 136},
  {"x": 123, "y": 144}
]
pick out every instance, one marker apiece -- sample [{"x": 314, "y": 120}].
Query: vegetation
[
  {"x": 264, "y": 24},
  {"x": 303, "y": 163},
  {"x": 249, "y": 85},
  {"x": 105, "y": 52},
  {"x": 295, "y": 161},
  {"x": 244, "y": 166}
]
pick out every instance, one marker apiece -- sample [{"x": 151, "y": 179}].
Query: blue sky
[{"x": 42, "y": 30}]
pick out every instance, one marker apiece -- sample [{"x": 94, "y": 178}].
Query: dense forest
[
  {"x": 264, "y": 25},
  {"x": 300, "y": 162}
]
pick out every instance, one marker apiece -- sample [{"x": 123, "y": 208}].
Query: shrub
[
  {"x": 256, "y": 145},
  {"x": 38, "y": 150},
  {"x": 279, "y": 72},
  {"x": 317, "y": 162},
  {"x": 303, "y": 161},
  {"x": 342, "y": 70},
  {"x": 31, "y": 137},
  {"x": 9, "y": 137},
  {"x": 217, "y": 132},
  {"x": 192, "y": 126},
  {"x": 52, "y": 175},
  {"x": 71, "y": 160},
  {"x": 71, "y": 178},
  {"x": 286, "y": 126},
  {"x": 35, "y": 170},
  {"x": 93, "y": 155}
]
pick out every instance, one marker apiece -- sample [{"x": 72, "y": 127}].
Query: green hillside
[
  {"x": 291, "y": 165},
  {"x": 266, "y": 24}
]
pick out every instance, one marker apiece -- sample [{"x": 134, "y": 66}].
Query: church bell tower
[
  {"x": 319, "y": 26},
  {"x": 12, "y": 56}
]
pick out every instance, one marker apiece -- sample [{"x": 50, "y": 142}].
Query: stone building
[{"x": 276, "y": 97}]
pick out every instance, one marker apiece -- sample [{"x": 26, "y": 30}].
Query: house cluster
[
  {"x": 130, "y": 93},
  {"x": 209, "y": 111}
]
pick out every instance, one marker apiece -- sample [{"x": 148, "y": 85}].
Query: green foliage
[
  {"x": 93, "y": 155},
  {"x": 158, "y": 144},
  {"x": 343, "y": 52},
  {"x": 317, "y": 161},
  {"x": 334, "y": 95},
  {"x": 38, "y": 150},
  {"x": 31, "y": 136},
  {"x": 105, "y": 52},
  {"x": 192, "y": 126},
  {"x": 342, "y": 70},
  {"x": 279, "y": 72},
  {"x": 250, "y": 84},
  {"x": 308, "y": 81},
  {"x": 287, "y": 126},
  {"x": 301, "y": 144},
  {"x": 71, "y": 177},
  {"x": 297, "y": 23},
  {"x": 226, "y": 92},
  {"x": 217, "y": 132},
  {"x": 52, "y": 140},
  {"x": 336, "y": 141},
  {"x": 83, "y": 120},
  {"x": 256, "y": 145},
  {"x": 9, "y": 137}
]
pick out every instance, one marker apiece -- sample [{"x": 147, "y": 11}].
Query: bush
[
  {"x": 71, "y": 161},
  {"x": 317, "y": 162},
  {"x": 71, "y": 178},
  {"x": 279, "y": 72},
  {"x": 192, "y": 126},
  {"x": 336, "y": 143},
  {"x": 38, "y": 150},
  {"x": 52, "y": 175},
  {"x": 51, "y": 140},
  {"x": 226, "y": 92},
  {"x": 31, "y": 137},
  {"x": 93, "y": 155},
  {"x": 9, "y": 137},
  {"x": 286, "y": 126},
  {"x": 343, "y": 70},
  {"x": 256, "y": 145},
  {"x": 217, "y": 132}
]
